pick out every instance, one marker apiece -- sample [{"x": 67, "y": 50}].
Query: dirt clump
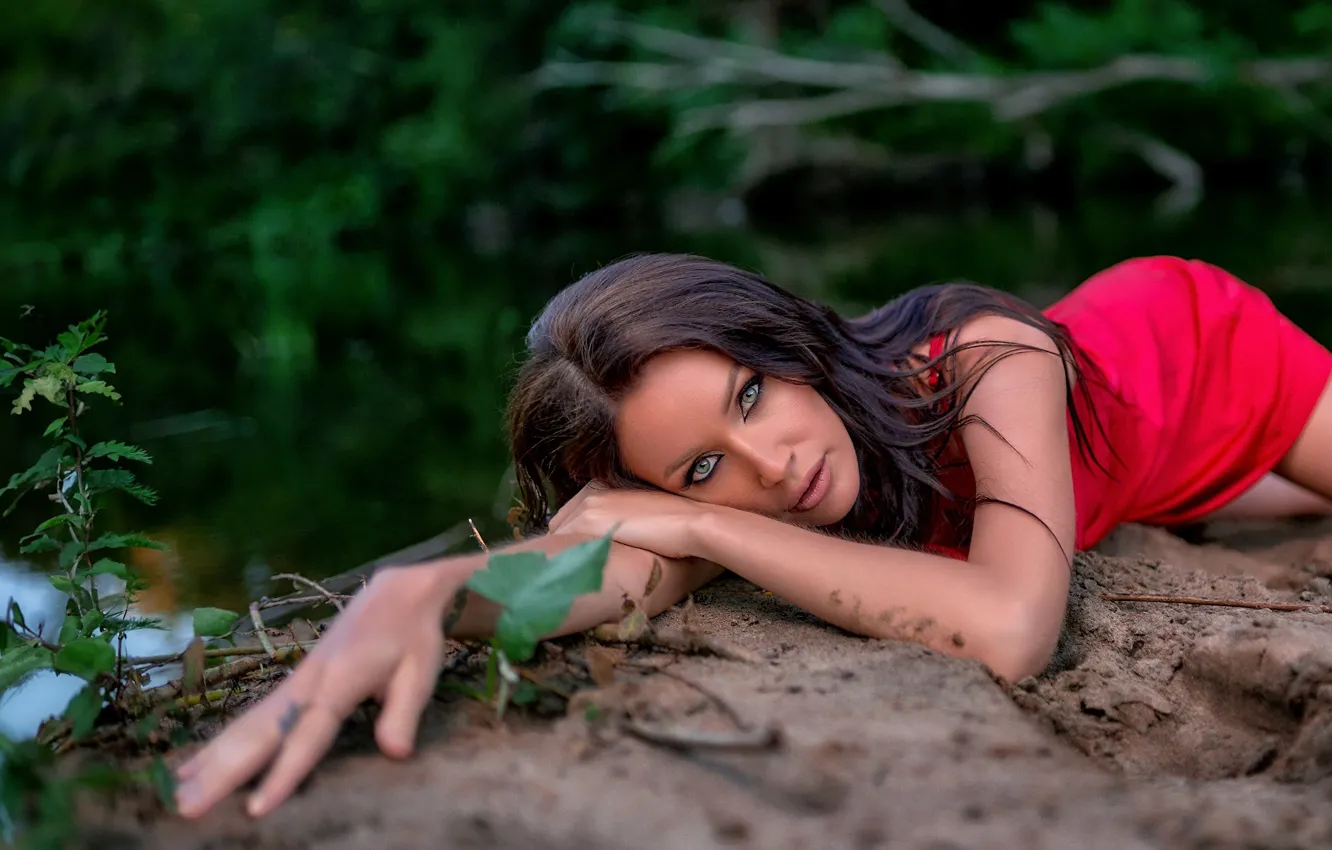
[{"x": 1157, "y": 726}]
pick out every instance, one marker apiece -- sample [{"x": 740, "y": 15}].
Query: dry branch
[
  {"x": 882, "y": 85},
  {"x": 214, "y": 676},
  {"x": 844, "y": 88},
  {"x": 260, "y": 631},
  {"x": 765, "y": 738},
  {"x": 1224, "y": 603},
  {"x": 722, "y": 705},
  {"x": 679, "y": 641},
  {"x": 335, "y": 598}
]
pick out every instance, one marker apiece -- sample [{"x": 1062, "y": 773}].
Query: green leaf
[
  {"x": 56, "y": 427},
  {"x": 39, "y": 473},
  {"x": 525, "y": 693},
  {"x": 210, "y": 622},
  {"x": 72, "y": 341},
  {"x": 92, "y": 621},
  {"x": 21, "y": 662},
  {"x": 16, "y": 614},
  {"x": 164, "y": 782},
  {"x": 107, "y": 567},
  {"x": 71, "y": 630},
  {"x": 82, "y": 711},
  {"x": 92, "y": 364},
  {"x": 70, "y": 553},
  {"x": 116, "y": 450},
  {"x": 51, "y": 388},
  {"x": 128, "y": 624},
  {"x": 537, "y": 592},
  {"x": 63, "y": 519},
  {"x": 45, "y": 543},
  {"x": 8, "y": 374},
  {"x": 98, "y": 388},
  {"x": 104, "y": 480},
  {"x": 69, "y": 588},
  {"x": 24, "y": 401},
  {"x": 87, "y": 658},
  {"x": 9, "y": 638},
  {"x": 125, "y": 541}
]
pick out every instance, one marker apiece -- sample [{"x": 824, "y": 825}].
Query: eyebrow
[{"x": 726, "y": 406}]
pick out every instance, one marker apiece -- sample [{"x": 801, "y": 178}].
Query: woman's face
[{"x": 700, "y": 425}]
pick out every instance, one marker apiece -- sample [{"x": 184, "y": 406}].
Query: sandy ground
[{"x": 1163, "y": 726}]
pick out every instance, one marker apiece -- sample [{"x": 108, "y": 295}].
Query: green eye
[
  {"x": 703, "y": 468},
  {"x": 749, "y": 395}
]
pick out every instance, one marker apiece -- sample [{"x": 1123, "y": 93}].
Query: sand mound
[{"x": 1171, "y": 726}]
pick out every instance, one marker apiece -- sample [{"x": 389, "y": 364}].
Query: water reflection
[{"x": 23, "y": 709}]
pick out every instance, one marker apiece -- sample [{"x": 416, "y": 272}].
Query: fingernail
[{"x": 255, "y": 806}]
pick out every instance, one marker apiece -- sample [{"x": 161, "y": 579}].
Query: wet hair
[{"x": 589, "y": 344}]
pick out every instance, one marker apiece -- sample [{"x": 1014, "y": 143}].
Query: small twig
[
  {"x": 477, "y": 535},
  {"x": 678, "y": 640},
  {"x": 335, "y": 598},
  {"x": 1225, "y": 603},
  {"x": 214, "y": 676},
  {"x": 766, "y": 738},
  {"x": 722, "y": 705},
  {"x": 150, "y": 660},
  {"x": 26, "y": 633},
  {"x": 260, "y": 631},
  {"x": 928, "y": 34}
]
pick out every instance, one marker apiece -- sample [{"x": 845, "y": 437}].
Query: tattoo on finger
[{"x": 290, "y": 718}]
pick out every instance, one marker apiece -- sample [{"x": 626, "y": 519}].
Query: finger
[
  {"x": 309, "y": 738},
  {"x": 240, "y": 752},
  {"x": 228, "y": 761},
  {"x": 408, "y": 693}
]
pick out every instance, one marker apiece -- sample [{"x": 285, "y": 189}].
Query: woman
[{"x": 924, "y": 472}]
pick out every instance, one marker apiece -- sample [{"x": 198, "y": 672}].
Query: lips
[{"x": 815, "y": 487}]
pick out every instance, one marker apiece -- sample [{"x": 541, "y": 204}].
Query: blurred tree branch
[
  {"x": 863, "y": 86},
  {"x": 690, "y": 63}
]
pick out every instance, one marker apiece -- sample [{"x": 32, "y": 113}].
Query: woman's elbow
[{"x": 1019, "y": 641}]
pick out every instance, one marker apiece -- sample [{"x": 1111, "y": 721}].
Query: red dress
[{"x": 1203, "y": 388}]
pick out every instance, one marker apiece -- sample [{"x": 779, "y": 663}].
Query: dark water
[{"x": 342, "y": 413}]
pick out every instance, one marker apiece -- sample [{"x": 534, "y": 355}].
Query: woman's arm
[
  {"x": 626, "y": 574},
  {"x": 1004, "y": 606},
  {"x": 388, "y": 645}
]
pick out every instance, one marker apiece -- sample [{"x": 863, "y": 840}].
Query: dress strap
[{"x": 937, "y": 343}]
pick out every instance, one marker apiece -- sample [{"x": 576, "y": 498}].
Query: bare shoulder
[
  {"x": 984, "y": 340},
  {"x": 1004, "y": 332}
]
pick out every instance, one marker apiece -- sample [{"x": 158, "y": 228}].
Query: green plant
[
  {"x": 536, "y": 593},
  {"x": 36, "y": 797},
  {"x": 77, "y": 476}
]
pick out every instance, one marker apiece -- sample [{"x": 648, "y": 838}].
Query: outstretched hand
[{"x": 387, "y": 645}]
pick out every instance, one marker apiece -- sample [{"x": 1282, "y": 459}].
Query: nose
[{"x": 772, "y": 463}]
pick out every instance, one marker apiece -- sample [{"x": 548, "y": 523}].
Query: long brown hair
[{"x": 589, "y": 343}]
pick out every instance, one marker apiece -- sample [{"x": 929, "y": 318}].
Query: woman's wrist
[{"x": 705, "y": 530}]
